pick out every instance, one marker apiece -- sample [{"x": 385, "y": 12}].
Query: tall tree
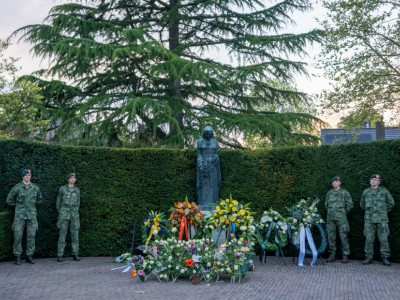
[
  {"x": 361, "y": 57},
  {"x": 158, "y": 71},
  {"x": 20, "y": 102}
]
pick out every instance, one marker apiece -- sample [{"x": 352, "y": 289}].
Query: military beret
[
  {"x": 336, "y": 178},
  {"x": 70, "y": 175},
  {"x": 377, "y": 176},
  {"x": 25, "y": 171}
]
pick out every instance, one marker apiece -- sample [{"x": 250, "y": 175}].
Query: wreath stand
[
  {"x": 277, "y": 242},
  {"x": 263, "y": 255}
]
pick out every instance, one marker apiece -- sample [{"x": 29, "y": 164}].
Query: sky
[{"x": 18, "y": 13}]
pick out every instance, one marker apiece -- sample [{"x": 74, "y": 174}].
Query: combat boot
[
  {"x": 60, "y": 259},
  {"x": 385, "y": 261},
  {"x": 29, "y": 259},
  {"x": 18, "y": 260},
  {"x": 331, "y": 258},
  {"x": 345, "y": 259},
  {"x": 76, "y": 257},
  {"x": 367, "y": 261}
]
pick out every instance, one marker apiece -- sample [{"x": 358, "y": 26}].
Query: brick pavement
[{"x": 91, "y": 278}]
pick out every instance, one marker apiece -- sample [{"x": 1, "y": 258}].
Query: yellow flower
[
  {"x": 231, "y": 205},
  {"x": 221, "y": 203},
  {"x": 235, "y": 202},
  {"x": 214, "y": 214},
  {"x": 232, "y": 219},
  {"x": 229, "y": 271},
  {"x": 233, "y": 209},
  {"x": 220, "y": 212},
  {"x": 242, "y": 211},
  {"x": 227, "y": 200},
  {"x": 226, "y": 222},
  {"x": 217, "y": 208}
]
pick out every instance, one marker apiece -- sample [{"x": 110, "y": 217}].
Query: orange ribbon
[{"x": 184, "y": 228}]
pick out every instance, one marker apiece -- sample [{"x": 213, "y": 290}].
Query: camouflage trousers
[
  {"x": 63, "y": 225},
  {"x": 341, "y": 226},
  {"x": 18, "y": 228},
  {"x": 382, "y": 230}
]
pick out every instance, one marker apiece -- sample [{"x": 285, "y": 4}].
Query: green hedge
[{"x": 118, "y": 185}]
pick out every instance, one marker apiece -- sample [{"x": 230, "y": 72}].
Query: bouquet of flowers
[
  {"x": 153, "y": 225},
  {"x": 234, "y": 217},
  {"x": 272, "y": 224},
  {"x": 234, "y": 258},
  {"x": 184, "y": 214},
  {"x": 304, "y": 213}
]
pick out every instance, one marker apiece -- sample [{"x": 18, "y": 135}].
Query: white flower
[
  {"x": 182, "y": 271},
  {"x": 235, "y": 267},
  {"x": 174, "y": 229},
  {"x": 169, "y": 266},
  {"x": 239, "y": 242},
  {"x": 177, "y": 267},
  {"x": 169, "y": 258},
  {"x": 155, "y": 231},
  {"x": 208, "y": 264},
  {"x": 208, "y": 276},
  {"x": 243, "y": 228},
  {"x": 250, "y": 261},
  {"x": 252, "y": 228},
  {"x": 194, "y": 271}
]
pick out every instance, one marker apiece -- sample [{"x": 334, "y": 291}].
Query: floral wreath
[
  {"x": 154, "y": 224},
  {"x": 272, "y": 224},
  {"x": 305, "y": 213},
  {"x": 234, "y": 217},
  {"x": 184, "y": 214}
]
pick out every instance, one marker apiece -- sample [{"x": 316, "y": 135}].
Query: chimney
[{"x": 380, "y": 130}]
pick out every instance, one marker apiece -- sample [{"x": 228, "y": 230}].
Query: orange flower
[{"x": 189, "y": 262}]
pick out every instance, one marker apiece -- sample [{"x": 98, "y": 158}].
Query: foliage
[
  {"x": 20, "y": 102},
  {"x": 361, "y": 57},
  {"x": 155, "y": 73},
  {"x": 121, "y": 185}
]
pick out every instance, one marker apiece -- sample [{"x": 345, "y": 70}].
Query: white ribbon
[{"x": 303, "y": 233}]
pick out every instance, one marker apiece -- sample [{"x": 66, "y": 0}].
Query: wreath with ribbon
[
  {"x": 184, "y": 214},
  {"x": 272, "y": 224},
  {"x": 305, "y": 213},
  {"x": 154, "y": 224}
]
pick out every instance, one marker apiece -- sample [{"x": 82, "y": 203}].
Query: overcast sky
[{"x": 15, "y": 14}]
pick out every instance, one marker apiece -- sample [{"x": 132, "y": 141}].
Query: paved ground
[{"x": 92, "y": 278}]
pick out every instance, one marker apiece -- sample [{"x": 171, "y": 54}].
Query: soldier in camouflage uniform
[
  {"x": 24, "y": 196},
  {"x": 68, "y": 201},
  {"x": 376, "y": 201},
  {"x": 338, "y": 204}
]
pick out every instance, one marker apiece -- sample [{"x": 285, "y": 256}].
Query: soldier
[
  {"x": 338, "y": 204},
  {"x": 24, "y": 196},
  {"x": 376, "y": 201},
  {"x": 68, "y": 201}
]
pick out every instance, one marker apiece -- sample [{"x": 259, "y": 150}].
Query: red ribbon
[{"x": 184, "y": 228}]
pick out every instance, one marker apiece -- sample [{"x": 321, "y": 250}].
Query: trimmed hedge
[{"x": 118, "y": 185}]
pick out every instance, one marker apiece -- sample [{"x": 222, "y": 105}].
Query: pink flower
[{"x": 140, "y": 272}]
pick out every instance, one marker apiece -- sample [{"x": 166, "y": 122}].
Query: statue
[{"x": 208, "y": 181}]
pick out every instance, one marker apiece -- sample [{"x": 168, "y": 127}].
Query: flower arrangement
[
  {"x": 272, "y": 224},
  {"x": 184, "y": 214},
  {"x": 153, "y": 225},
  {"x": 304, "y": 213},
  {"x": 234, "y": 217}
]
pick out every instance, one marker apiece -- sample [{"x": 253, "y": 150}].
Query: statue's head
[{"x": 208, "y": 133}]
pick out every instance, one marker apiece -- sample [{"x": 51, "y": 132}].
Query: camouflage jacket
[
  {"x": 338, "y": 204},
  {"x": 68, "y": 201},
  {"x": 25, "y": 200},
  {"x": 376, "y": 204}
]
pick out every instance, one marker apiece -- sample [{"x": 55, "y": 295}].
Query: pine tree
[{"x": 156, "y": 72}]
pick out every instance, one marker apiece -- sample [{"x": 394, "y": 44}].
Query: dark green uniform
[
  {"x": 25, "y": 198},
  {"x": 376, "y": 203},
  {"x": 338, "y": 204},
  {"x": 68, "y": 201}
]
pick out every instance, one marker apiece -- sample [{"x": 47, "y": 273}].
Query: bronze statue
[{"x": 208, "y": 181}]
